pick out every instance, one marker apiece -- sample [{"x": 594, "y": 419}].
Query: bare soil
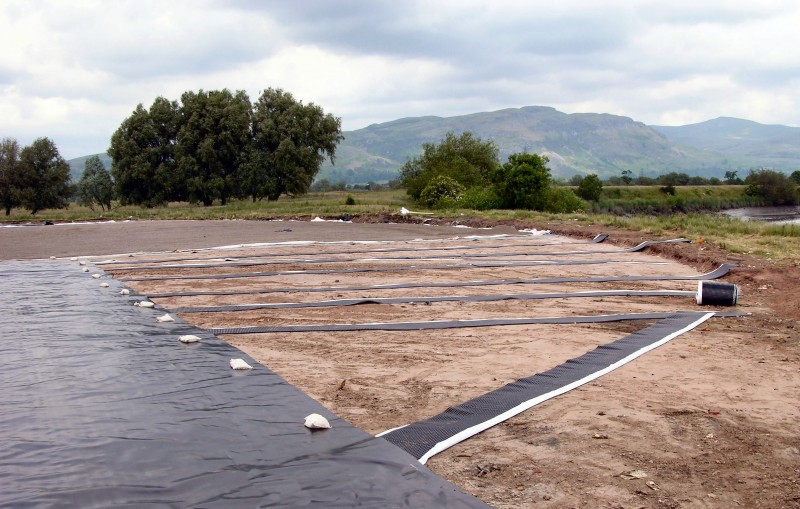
[{"x": 710, "y": 419}]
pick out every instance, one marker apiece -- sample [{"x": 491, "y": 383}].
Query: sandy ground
[{"x": 711, "y": 418}]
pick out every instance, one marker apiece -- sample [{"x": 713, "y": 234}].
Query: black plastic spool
[{"x": 712, "y": 293}]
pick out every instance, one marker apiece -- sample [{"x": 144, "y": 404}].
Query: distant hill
[
  {"x": 771, "y": 146},
  {"x": 577, "y": 143},
  {"x": 77, "y": 165}
]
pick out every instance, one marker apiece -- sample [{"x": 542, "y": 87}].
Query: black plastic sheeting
[
  {"x": 102, "y": 406},
  {"x": 295, "y": 261},
  {"x": 477, "y": 265},
  {"x": 431, "y": 436},
  {"x": 717, "y": 294},
  {"x": 720, "y": 271},
  {"x": 596, "y": 240},
  {"x": 456, "y": 324},
  {"x": 451, "y": 298}
]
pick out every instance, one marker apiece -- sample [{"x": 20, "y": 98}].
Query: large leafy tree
[
  {"x": 10, "y": 175},
  {"x": 290, "y": 142},
  {"x": 212, "y": 142},
  {"x": 524, "y": 182},
  {"x": 465, "y": 159},
  {"x": 143, "y": 156},
  {"x": 95, "y": 186},
  {"x": 45, "y": 177}
]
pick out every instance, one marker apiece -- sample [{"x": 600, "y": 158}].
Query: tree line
[
  {"x": 216, "y": 145},
  {"x": 463, "y": 171}
]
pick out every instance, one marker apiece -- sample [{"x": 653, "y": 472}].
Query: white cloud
[{"x": 72, "y": 70}]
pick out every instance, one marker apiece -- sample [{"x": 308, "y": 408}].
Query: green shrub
[
  {"x": 350, "y": 200},
  {"x": 590, "y": 188},
  {"x": 439, "y": 188},
  {"x": 560, "y": 200},
  {"x": 480, "y": 198}
]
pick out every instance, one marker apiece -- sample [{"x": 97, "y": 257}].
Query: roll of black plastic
[{"x": 713, "y": 293}]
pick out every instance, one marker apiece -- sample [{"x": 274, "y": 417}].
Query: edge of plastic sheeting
[
  {"x": 714, "y": 274},
  {"x": 103, "y": 406},
  {"x": 691, "y": 321}
]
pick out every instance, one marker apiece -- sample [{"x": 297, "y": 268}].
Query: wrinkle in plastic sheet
[{"x": 103, "y": 406}]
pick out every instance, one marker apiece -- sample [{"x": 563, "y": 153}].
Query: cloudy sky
[{"x": 73, "y": 70}]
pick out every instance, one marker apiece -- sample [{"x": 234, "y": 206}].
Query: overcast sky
[{"x": 73, "y": 70}]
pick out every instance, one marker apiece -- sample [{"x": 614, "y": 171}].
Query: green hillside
[
  {"x": 575, "y": 143},
  {"x": 772, "y": 146}
]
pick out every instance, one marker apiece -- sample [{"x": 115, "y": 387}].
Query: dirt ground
[{"x": 708, "y": 420}]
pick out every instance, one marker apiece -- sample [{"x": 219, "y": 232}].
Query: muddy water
[{"x": 783, "y": 215}]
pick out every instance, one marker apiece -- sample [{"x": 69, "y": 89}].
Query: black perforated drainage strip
[
  {"x": 454, "y": 324},
  {"x": 449, "y": 298},
  {"x": 296, "y": 261},
  {"x": 478, "y": 265},
  {"x": 596, "y": 240},
  {"x": 716, "y": 273},
  {"x": 431, "y": 436}
]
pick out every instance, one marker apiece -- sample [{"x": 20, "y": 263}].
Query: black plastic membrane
[{"x": 102, "y": 406}]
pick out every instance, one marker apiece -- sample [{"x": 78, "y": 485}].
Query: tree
[
  {"x": 290, "y": 142},
  {"x": 627, "y": 177},
  {"x": 773, "y": 186},
  {"x": 466, "y": 159},
  {"x": 731, "y": 178},
  {"x": 45, "y": 177},
  {"x": 590, "y": 188},
  {"x": 95, "y": 185},
  {"x": 212, "y": 142},
  {"x": 796, "y": 177},
  {"x": 523, "y": 182},
  {"x": 10, "y": 175},
  {"x": 143, "y": 156}
]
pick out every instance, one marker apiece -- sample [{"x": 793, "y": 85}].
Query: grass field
[{"x": 779, "y": 243}]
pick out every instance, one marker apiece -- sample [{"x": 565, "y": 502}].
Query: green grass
[{"x": 780, "y": 243}]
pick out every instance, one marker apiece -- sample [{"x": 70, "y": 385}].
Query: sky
[{"x": 72, "y": 71}]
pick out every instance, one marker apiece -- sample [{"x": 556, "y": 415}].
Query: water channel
[{"x": 778, "y": 215}]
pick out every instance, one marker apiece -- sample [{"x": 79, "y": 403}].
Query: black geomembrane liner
[
  {"x": 716, "y": 273},
  {"x": 100, "y": 406},
  {"x": 419, "y": 438}
]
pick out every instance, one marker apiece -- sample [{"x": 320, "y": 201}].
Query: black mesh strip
[
  {"x": 716, "y": 273},
  {"x": 477, "y": 265},
  {"x": 599, "y": 238},
  {"x": 450, "y": 298},
  {"x": 453, "y": 324},
  {"x": 425, "y": 438}
]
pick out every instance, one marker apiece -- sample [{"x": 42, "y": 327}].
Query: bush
[
  {"x": 523, "y": 182},
  {"x": 439, "y": 188},
  {"x": 773, "y": 186},
  {"x": 350, "y": 200},
  {"x": 668, "y": 189},
  {"x": 590, "y": 188},
  {"x": 480, "y": 198},
  {"x": 561, "y": 200}
]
